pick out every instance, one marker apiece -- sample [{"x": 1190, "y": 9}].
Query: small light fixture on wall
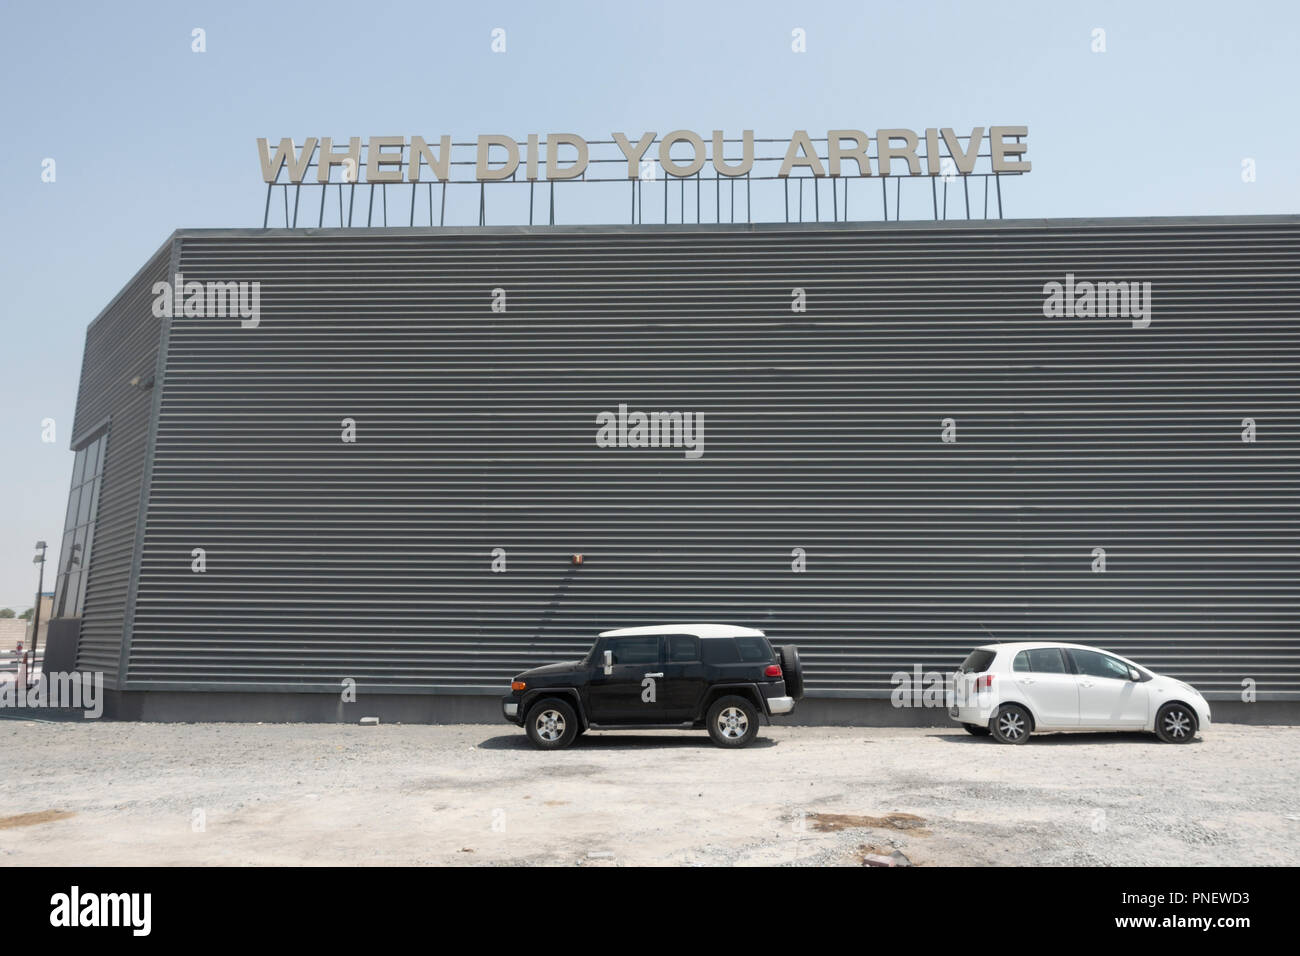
[{"x": 576, "y": 560}]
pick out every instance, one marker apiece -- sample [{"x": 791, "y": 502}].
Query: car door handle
[
  {"x": 655, "y": 675},
  {"x": 1085, "y": 683},
  {"x": 1026, "y": 680}
]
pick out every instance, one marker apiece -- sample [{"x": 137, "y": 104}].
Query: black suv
[{"x": 669, "y": 676}]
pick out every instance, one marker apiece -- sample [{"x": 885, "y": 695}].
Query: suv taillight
[{"x": 772, "y": 670}]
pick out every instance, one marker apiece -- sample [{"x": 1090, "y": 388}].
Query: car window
[
  {"x": 977, "y": 662},
  {"x": 720, "y": 651},
  {"x": 754, "y": 650},
  {"x": 683, "y": 647},
  {"x": 1095, "y": 664},
  {"x": 1021, "y": 663},
  {"x": 1046, "y": 660},
  {"x": 635, "y": 650}
]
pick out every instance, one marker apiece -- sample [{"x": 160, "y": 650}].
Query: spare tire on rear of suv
[{"x": 788, "y": 655}]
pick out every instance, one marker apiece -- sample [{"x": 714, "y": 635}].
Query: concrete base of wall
[{"x": 464, "y": 709}]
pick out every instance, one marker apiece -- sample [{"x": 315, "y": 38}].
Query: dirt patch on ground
[
  {"x": 828, "y": 822},
  {"x": 31, "y": 819}
]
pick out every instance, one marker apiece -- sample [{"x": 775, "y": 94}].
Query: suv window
[
  {"x": 976, "y": 662},
  {"x": 755, "y": 650},
  {"x": 1094, "y": 664},
  {"x": 720, "y": 651},
  {"x": 1042, "y": 660},
  {"x": 683, "y": 647},
  {"x": 635, "y": 650}
]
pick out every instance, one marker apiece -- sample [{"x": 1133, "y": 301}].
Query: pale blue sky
[{"x": 149, "y": 137}]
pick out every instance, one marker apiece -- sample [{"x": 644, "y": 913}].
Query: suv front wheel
[
  {"x": 551, "y": 724},
  {"x": 732, "y": 721}
]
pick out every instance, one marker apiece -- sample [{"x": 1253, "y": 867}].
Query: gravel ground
[{"x": 128, "y": 793}]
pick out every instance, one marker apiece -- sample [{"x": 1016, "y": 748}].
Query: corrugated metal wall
[
  {"x": 476, "y": 430},
  {"x": 121, "y": 343}
]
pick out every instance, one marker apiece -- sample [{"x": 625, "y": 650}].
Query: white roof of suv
[{"x": 695, "y": 630}]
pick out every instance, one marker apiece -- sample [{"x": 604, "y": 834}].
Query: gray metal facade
[{"x": 475, "y": 430}]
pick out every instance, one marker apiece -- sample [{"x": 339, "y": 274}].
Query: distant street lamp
[{"x": 36, "y": 614}]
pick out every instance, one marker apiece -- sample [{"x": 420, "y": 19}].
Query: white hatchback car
[{"x": 1013, "y": 690}]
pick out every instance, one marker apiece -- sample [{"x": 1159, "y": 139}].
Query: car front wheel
[
  {"x": 732, "y": 722},
  {"x": 1176, "y": 724},
  {"x": 1011, "y": 724},
  {"x": 551, "y": 724}
]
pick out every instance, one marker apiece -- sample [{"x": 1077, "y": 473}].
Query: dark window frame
[{"x": 79, "y": 525}]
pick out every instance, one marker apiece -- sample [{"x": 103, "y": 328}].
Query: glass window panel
[
  {"x": 78, "y": 467},
  {"x": 83, "y": 506},
  {"x": 81, "y": 593},
  {"x": 68, "y": 539},
  {"x": 92, "y": 461},
  {"x": 70, "y": 519},
  {"x": 78, "y": 549}
]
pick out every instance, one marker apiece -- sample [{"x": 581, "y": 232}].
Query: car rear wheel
[
  {"x": 1176, "y": 724},
  {"x": 732, "y": 722},
  {"x": 976, "y": 730},
  {"x": 791, "y": 670},
  {"x": 551, "y": 724},
  {"x": 1011, "y": 724}
]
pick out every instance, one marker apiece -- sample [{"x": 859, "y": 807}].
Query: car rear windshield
[{"x": 977, "y": 662}]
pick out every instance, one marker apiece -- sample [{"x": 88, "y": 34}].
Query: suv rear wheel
[
  {"x": 732, "y": 721},
  {"x": 551, "y": 724}
]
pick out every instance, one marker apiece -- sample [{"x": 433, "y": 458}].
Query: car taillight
[
  {"x": 772, "y": 670},
  {"x": 517, "y": 685},
  {"x": 986, "y": 681}
]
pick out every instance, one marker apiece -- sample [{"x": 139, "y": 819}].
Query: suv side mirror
[{"x": 609, "y": 662}]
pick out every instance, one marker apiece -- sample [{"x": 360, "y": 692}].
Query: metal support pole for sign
[
  {"x": 482, "y": 204},
  {"x": 320, "y": 220},
  {"x": 352, "y": 200},
  {"x": 414, "y": 187},
  {"x": 340, "y": 204},
  {"x": 884, "y": 197},
  {"x": 717, "y": 197},
  {"x": 266, "y": 213},
  {"x": 986, "y": 197},
  {"x": 945, "y": 200},
  {"x": 442, "y": 214},
  {"x": 530, "y": 202},
  {"x": 640, "y": 201},
  {"x": 698, "y": 193},
  {"x": 285, "y": 191},
  {"x": 835, "y": 201},
  {"x": 631, "y": 213},
  {"x": 846, "y": 200},
  {"x": 934, "y": 198},
  {"x": 383, "y": 198},
  {"x": 748, "y": 214},
  {"x": 817, "y": 199},
  {"x": 297, "y": 192},
  {"x": 552, "y": 204},
  {"x": 997, "y": 181},
  {"x": 898, "y": 201},
  {"x": 665, "y": 199},
  {"x": 430, "y": 204},
  {"x": 801, "y": 199},
  {"x": 370, "y": 207},
  {"x": 965, "y": 188},
  {"x": 786, "y": 184}
]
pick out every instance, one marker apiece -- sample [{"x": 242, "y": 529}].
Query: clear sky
[{"x": 149, "y": 136}]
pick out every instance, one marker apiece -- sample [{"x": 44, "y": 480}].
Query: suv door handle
[{"x": 655, "y": 675}]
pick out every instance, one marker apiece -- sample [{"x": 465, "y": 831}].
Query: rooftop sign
[{"x": 680, "y": 154}]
